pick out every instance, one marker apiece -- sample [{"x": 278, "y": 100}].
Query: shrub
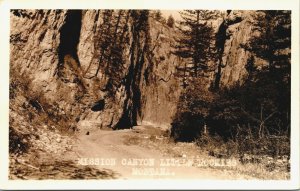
[
  {"x": 170, "y": 21},
  {"x": 253, "y": 117},
  {"x": 261, "y": 106},
  {"x": 39, "y": 110},
  {"x": 192, "y": 111},
  {"x": 187, "y": 126},
  {"x": 18, "y": 142}
]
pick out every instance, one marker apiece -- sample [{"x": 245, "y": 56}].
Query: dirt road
[{"x": 143, "y": 153}]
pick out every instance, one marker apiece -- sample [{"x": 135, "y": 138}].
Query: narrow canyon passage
[{"x": 146, "y": 97}]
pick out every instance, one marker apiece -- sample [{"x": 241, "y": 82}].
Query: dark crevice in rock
[
  {"x": 99, "y": 105},
  {"x": 221, "y": 38},
  {"x": 138, "y": 51},
  {"x": 69, "y": 36},
  {"x": 23, "y": 13},
  {"x": 234, "y": 21},
  {"x": 42, "y": 36},
  {"x": 36, "y": 105}
]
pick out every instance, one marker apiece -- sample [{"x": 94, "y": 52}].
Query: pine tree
[
  {"x": 110, "y": 41},
  {"x": 158, "y": 15},
  {"x": 103, "y": 39},
  {"x": 196, "y": 42},
  {"x": 273, "y": 42},
  {"x": 170, "y": 21}
]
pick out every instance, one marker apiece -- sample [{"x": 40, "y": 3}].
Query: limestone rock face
[
  {"x": 34, "y": 43},
  {"x": 238, "y": 32},
  {"x": 79, "y": 57},
  {"x": 161, "y": 89}
]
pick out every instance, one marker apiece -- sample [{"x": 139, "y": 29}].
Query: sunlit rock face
[
  {"x": 237, "y": 31},
  {"x": 78, "y": 59}
]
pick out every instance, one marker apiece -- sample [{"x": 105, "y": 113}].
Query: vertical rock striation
[
  {"x": 119, "y": 58},
  {"x": 233, "y": 32}
]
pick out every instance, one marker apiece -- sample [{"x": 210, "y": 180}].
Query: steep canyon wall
[{"x": 119, "y": 59}]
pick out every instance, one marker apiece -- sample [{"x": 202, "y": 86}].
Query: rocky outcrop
[
  {"x": 69, "y": 56},
  {"x": 34, "y": 45},
  {"x": 232, "y": 33},
  {"x": 160, "y": 89},
  {"x": 121, "y": 59}
]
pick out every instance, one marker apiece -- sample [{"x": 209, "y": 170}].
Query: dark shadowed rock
[
  {"x": 98, "y": 106},
  {"x": 59, "y": 50}
]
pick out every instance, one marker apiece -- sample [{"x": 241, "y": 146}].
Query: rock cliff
[
  {"x": 234, "y": 31},
  {"x": 115, "y": 67}
]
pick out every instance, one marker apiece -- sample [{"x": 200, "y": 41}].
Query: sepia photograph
[{"x": 150, "y": 94}]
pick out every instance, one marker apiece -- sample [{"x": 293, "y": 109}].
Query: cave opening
[{"x": 69, "y": 35}]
